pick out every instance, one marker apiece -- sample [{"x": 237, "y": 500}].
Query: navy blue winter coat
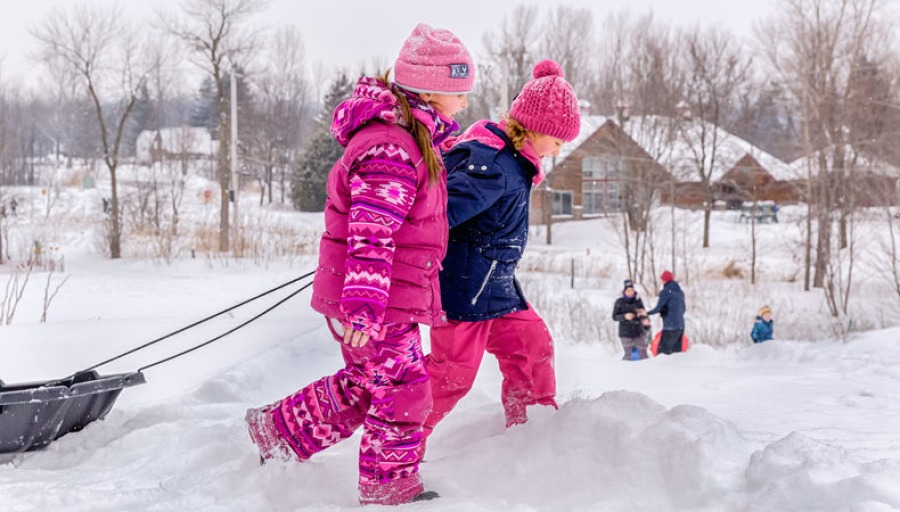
[
  {"x": 671, "y": 307},
  {"x": 488, "y": 192}
]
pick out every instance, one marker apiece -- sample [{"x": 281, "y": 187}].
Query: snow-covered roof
[
  {"x": 862, "y": 162},
  {"x": 675, "y": 143},
  {"x": 177, "y": 140},
  {"x": 589, "y": 126}
]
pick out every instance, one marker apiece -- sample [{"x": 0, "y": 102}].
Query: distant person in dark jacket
[
  {"x": 670, "y": 307},
  {"x": 764, "y": 327},
  {"x": 633, "y": 322}
]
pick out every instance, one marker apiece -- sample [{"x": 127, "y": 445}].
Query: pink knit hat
[
  {"x": 547, "y": 104},
  {"x": 433, "y": 60}
]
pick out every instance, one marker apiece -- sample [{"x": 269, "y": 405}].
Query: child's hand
[
  {"x": 355, "y": 338},
  {"x": 629, "y": 316}
]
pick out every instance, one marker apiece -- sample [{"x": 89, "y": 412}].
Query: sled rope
[
  {"x": 208, "y": 318},
  {"x": 226, "y": 333}
]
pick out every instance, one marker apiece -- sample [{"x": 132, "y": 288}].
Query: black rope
[
  {"x": 226, "y": 333},
  {"x": 220, "y": 313}
]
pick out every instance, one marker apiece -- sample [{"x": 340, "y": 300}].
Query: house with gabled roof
[
  {"x": 874, "y": 181},
  {"x": 591, "y": 174}
]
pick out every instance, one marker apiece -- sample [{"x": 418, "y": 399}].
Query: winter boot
[{"x": 262, "y": 432}]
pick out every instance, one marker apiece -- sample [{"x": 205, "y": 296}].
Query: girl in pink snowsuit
[
  {"x": 377, "y": 278},
  {"x": 491, "y": 170}
]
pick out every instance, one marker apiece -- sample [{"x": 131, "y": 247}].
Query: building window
[
  {"x": 562, "y": 202},
  {"x": 600, "y": 185}
]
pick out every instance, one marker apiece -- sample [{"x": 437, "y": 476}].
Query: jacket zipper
[{"x": 485, "y": 282}]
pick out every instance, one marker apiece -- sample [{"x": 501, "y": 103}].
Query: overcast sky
[{"x": 346, "y": 33}]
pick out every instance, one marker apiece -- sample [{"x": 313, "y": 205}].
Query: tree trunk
[
  {"x": 548, "y": 215},
  {"x": 707, "y": 214},
  {"x": 753, "y": 242},
  {"x": 115, "y": 231},
  {"x": 222, "y": 162}
]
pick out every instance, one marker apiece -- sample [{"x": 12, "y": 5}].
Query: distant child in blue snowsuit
[{"x": 764, "y": 326}]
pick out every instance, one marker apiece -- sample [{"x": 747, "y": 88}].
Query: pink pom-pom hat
[{"x": 547, "y": 103}]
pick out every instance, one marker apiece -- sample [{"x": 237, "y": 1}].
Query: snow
[{"x": 792, "y": 424}]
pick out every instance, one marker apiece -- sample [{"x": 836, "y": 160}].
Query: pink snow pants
[
  {"x": 383, "y": 388},
  {"x": 523, "y": 347}
]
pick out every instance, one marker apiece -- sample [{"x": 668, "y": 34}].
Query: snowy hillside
[{"x": 728, "y": 426}]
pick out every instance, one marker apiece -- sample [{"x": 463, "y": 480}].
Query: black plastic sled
[{"x": 35, "y": 414}]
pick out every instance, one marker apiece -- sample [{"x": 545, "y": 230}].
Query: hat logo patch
[{"x": 459, "y": 71}]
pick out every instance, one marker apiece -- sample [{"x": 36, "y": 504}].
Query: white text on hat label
[{"x": 459, "y": 71}]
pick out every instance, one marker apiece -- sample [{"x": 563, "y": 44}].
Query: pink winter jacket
[{"x": 385, "y": 224}]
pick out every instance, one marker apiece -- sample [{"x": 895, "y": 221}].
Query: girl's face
[
  {"x": 447, "y": 104},
  {"x": 629, "y": 292},
  {"x": 545, "y": 145},
  {"x": 767, "y": 316}
]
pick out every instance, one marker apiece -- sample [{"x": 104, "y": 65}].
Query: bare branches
[
  {"x": 217, "y": 33},
  {"x": 716, "y": 69},
  {"x": 48, "y": 296},
  {"x": 12, "y": 295},
  {"x": 513, "y": 47},
  {"x": 105, "y": 54},
  {"x": 568, "y": 38}
]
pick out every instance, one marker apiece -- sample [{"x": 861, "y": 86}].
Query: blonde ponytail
[{"x": 516, "y": 133}]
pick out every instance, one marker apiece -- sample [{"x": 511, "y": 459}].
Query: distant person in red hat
[{"x": 671, "y": 308}]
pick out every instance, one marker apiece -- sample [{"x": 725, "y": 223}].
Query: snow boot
[{"x": 262, "y": 432}]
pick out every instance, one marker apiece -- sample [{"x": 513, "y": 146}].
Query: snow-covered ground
[{"x": 728, "y": 426}]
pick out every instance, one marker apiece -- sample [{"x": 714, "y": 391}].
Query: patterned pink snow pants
[
  {"x": 523, "y": 347},
  {"x": 383, "y": 388}
]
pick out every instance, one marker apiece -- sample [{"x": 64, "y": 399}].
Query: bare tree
[
  {"x": 103, "y": 51},
  {"x": 815, "y": 46},
  {"x": 512, "y": 49},
  {"x": 640, "y": 68},
  {"x": 284, "y": 98},
  {"x": 642, "y": 81},
  {"x": 218, "y": 33},
  {"x": 716, "y": 69},
  {"x": 568, "y": 38}
]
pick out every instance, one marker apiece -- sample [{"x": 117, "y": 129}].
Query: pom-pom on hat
[
  {"x": 547, "y": 103},
  {"x": 666, "y": 276},
  {"x": 433, "y": 60}
]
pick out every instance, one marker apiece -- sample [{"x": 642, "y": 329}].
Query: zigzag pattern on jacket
[
  {"x": 383, "y": 388},
  {"x": 383, "y": 186}
]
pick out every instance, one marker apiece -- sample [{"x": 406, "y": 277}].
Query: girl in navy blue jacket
[{"x": 491, "y": 170}]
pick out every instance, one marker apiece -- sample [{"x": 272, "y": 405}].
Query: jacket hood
[
  {"x": 673, "y": 285},
  {"x": 479, "y": 132},
  {"x": 372, "y": 99}
]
